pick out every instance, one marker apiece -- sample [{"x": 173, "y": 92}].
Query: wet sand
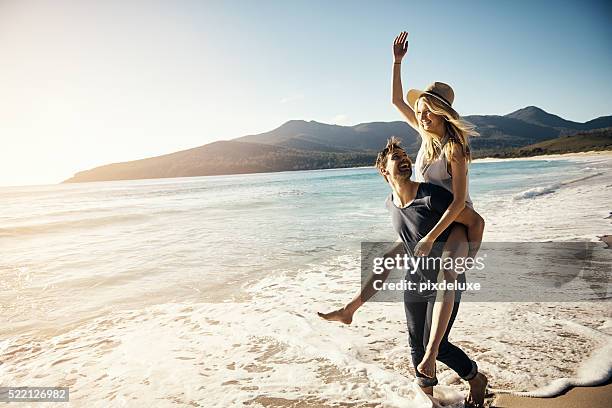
[{"x": 578, "y": 397}]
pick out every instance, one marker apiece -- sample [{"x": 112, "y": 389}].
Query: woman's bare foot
[
  {"x": 478, "y": 389},
  {"x": 341, "y": 315}
]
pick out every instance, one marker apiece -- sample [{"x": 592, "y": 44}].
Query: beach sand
[
  {"x": 579, "y": 397},
  {"x": 576, "y": 397}
]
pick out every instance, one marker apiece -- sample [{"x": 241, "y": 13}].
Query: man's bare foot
[
  {"x": 478, "y": 389},
  {"x": 341, "y": 315}
]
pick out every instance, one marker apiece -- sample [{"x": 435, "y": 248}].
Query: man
[{"x": 415, "y": 209}]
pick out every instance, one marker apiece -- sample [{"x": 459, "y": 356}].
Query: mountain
[
  {"x": 599, "y": 123},
  {"x": 302, "y": 145},
  {"x": 223, "y": 157},
  {"x": 589, "y": 140},
  {"x": 495, "y": 132},
  {"x": 316, "y": 136},
  {"x": 598, "y": 139},
  {"x": 537, "y": 116},
  {"x": 502, "y": 131}
]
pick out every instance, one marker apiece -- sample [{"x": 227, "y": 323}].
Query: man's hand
[
  {"x": 400, "y": 46},
  {"x": 423, "y": 248}
]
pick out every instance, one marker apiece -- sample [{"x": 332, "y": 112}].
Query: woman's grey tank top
[{"x": 436, "y": 172}]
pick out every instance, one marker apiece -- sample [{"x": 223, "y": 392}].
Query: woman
[
  {"x": 445, "y": 152},
  {"x": 443, "y": 160}
]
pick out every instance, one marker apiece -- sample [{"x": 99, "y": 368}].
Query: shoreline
[{"x": 555, "y": 156}]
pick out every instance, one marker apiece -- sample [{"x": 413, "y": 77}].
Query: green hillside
[{"x": 599, "y": 139}]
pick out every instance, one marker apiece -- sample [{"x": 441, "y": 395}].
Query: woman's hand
[
  {"x": 400, "y": 46},
  {"x": 427, "y": 367},
  {"x": 423, "y": 247}
]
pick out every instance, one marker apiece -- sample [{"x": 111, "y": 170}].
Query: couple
[{"x": 434, "y": 208}]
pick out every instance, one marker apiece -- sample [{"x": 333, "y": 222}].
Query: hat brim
[{"x": 413, "y": 95}]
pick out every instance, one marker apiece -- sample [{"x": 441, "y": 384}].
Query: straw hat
[{"x": 438, "y": 90}]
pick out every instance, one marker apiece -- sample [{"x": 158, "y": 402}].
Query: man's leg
[
  {"x": 455, "y": 247},
  {"x": 416, "y": 320},
  {"x": 345, "y": 314}
]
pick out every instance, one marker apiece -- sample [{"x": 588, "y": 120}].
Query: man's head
[{"x": 393, "y": 163}]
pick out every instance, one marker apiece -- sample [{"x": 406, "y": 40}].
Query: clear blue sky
[{"x": 85, "y": 83}]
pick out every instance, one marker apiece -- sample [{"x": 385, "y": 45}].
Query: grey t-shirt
[
  {"x": 415, "y": 220},
  {"x": 418, "y": 218}
]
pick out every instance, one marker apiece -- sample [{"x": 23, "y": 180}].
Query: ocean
[{"x": 202, "y": 291}]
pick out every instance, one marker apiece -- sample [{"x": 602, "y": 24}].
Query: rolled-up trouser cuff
[
  {"x": 426, "y": 381},
  {"x": 472, "y": 372}
]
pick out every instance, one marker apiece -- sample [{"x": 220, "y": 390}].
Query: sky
[{"x": 86, "y": 83}]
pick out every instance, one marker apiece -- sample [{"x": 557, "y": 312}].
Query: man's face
[{"x": 398, "y": 165}]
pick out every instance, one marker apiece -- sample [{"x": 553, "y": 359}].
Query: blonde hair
[{"x": 458, "y": 130}]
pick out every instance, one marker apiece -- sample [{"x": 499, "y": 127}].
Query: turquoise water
[{"x": 127, "y": 243}]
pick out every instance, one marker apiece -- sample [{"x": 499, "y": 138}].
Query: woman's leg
[
  {"x": 448, "y": 353},
  {"x": 451, "y": 355},
  {"x": 475, "y": 228},
  {"x": 474, "y": 235}
]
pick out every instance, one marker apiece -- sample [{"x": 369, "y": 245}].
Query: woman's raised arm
[{"x": 400, "y": 48}]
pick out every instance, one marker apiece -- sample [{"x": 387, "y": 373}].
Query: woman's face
[{"x": 428, "y": 120}]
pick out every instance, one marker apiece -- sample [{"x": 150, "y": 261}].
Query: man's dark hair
[{"x": 392, "y": 144}]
